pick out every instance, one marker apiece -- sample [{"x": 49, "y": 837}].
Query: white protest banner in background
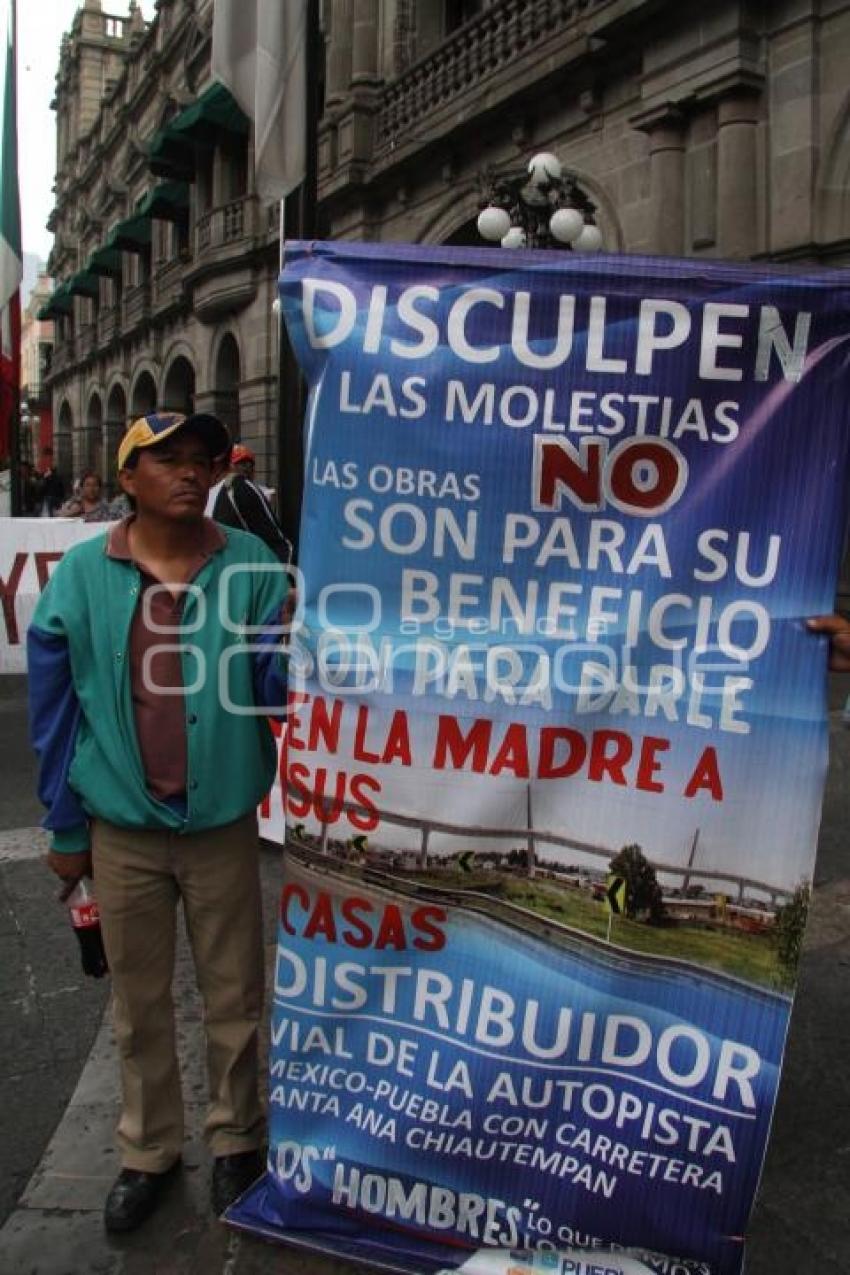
[{"x": 29, "y": 550}]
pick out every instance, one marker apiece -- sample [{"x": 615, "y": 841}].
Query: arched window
[
  {"x": 91, "y": 452},
  {"x": 227, "y": 377},
  {"x": 178, "y": 391},
  {"x": 115, "y": 425},
  {"x": 144, "y": 396}
]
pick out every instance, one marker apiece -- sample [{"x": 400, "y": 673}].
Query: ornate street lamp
[{"x": 538, "y": 207}]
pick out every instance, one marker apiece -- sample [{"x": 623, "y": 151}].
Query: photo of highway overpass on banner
[{"x": 573, "y": 894}]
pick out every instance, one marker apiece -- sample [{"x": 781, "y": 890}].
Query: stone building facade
[
  {"x": 716, "y": 129},
  {"x": 165, "y": 261}
]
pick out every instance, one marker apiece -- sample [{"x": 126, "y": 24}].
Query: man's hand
[
  {"x": 70, "y": 867},
  {"x": 837, "y": 629}
]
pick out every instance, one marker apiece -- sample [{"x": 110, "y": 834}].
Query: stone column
[
  {"x": 737, "y": 208},
  {"x": 339, "y": 51},
  {"x": 667, "y": 183},
  {"x": 355, "y": 133},
  {"x": 364, "y": 56}
]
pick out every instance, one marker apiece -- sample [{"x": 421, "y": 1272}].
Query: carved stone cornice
[
  {"x": 734, "y": 77},
  {"x": 671, "y": 115}
]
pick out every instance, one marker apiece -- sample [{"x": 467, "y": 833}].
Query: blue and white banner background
[{"x": 564, "y": 520}]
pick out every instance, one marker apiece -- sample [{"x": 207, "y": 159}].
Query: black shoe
[
  {"x": 233, "y": 1174},
  {"x": 133, "y": 1197}
]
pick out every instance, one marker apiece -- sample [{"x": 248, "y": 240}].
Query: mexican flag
[{"x": 10, "y": 233}]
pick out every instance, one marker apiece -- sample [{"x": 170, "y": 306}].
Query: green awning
[
  {"x": 133, "y": 234},
  {"x": 84, "y": 284},
  {"x": 215, "y": 110},
  {"x": 61, "y": 302},
  {"x": 171, "y": 152},
  {"x": 105, "y": 261},
  {"x": 171, "y": 156},
  {"x": 169, "y": 201}
]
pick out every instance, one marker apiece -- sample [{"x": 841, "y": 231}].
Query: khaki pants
[{"x": 139, "y": 877}]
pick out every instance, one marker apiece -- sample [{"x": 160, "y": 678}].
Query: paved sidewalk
[
  {"x": 801, "y": 1224},
  {"x": 57, "y": 1228},
  {"x": 49, "y": 1010}
]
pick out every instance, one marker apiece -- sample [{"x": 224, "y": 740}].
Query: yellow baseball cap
[{"x": 156, "y": 426}]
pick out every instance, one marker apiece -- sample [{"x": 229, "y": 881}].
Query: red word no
[{"x": 640, "y": 476}]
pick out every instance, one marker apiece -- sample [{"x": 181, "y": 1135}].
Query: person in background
[
  {"x": 237, "y": 501},
  {"x": 51, "y": 488},
  {"x": 243, "y": 460},
  {"x": 89, "y": 503},
  {"x": 119, "y": 506},
  {"x": 151, "y": 776},
  {"x": 29, "y": 489}
]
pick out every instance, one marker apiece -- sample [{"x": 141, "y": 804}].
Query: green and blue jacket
[{"x": 81, "y": 712}]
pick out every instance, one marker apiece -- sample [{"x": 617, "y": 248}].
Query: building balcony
[
  {"x": 137, "y": 305},
  {"x": 167, "y": 291},
  {"x": 273, "y": 221},
  {"x": 108, "y": 324},
  {"x": 86, "y": 341},
  {"x": 228, "y": 229},
  {"x": 226, "y": 237},
  {"x": 63, "y": 357},
  {"x": 509, "y": 48}
]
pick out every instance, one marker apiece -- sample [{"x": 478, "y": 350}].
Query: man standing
[
  {"x": 152, "y": 654},
  {"x": 28, "y": 488},
  {"x": 243, "y": 460},
  {"x": 237, "y": 501},
  {"x": 51, "y": 488}
]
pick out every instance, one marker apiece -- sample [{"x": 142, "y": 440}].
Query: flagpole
[
  {"x": 15, "y": 389},
  {"x": 15, "y": 493},
  {"x": 302, "y": 225}
]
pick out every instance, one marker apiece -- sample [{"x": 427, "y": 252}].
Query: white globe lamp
[
  {"x": 566, "y": 224},
  {"x": 493, "y": 223},
  {"x": 590, "y": 239},
  {"x": 544, "y": 168},
  {"x": 515, "y": 238}
]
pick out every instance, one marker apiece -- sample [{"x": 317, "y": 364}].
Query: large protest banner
[
  {"x": 29, "y": 551},
  {"x": 555, "y": 751}
]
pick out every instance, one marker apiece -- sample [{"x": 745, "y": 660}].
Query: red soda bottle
[{"x": 85, "y": 921}]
